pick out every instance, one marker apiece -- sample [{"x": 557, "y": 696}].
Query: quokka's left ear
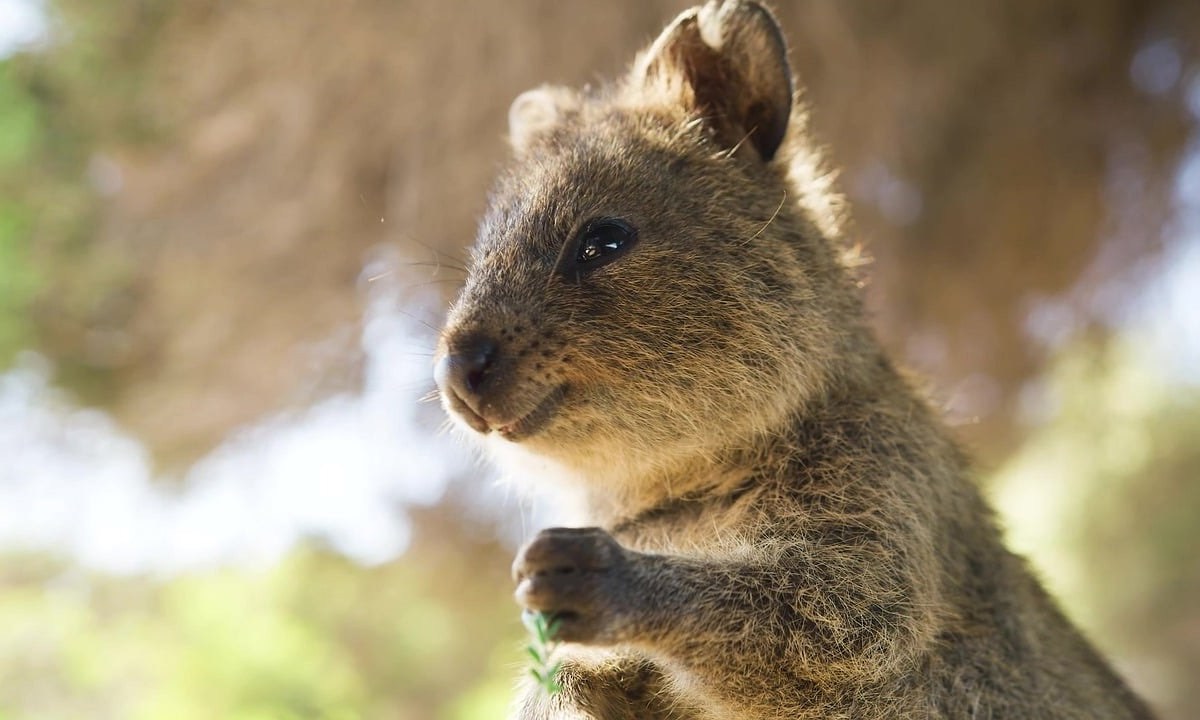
[
  {"x": 726, "y": 61},
  {"x": 535, "y": 112}
]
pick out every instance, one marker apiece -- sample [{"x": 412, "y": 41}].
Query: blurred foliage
[
  {"x": 20, "y": 138},
  {"x": 61, "y": 290},
  {"x": 426, "y": 638},
  {"x": 1104, "y": 500}
]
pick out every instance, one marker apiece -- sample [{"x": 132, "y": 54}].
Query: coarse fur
[{"x": 783, "y": 526}]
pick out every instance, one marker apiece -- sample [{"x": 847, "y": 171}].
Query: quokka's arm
[{"x": 820, "y": 613}]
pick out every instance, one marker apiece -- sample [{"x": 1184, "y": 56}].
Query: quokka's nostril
[
  {"x": 477, "y": 361},
  {"x": 466, "y": 369},
  {"x": 475, "y": 380}
]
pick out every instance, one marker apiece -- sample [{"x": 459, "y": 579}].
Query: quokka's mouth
[
  {"x": 534, "y": 420},
  {"x": 514, "y": 430},
  {"x": 460, "y": 407}
]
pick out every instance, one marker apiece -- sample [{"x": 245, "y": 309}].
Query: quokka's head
[{"x": 653, "y": 280}]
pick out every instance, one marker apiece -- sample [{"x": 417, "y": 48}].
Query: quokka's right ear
[
  {"x": 727, "y": 62},
  {"x": 535, "y": 112}
]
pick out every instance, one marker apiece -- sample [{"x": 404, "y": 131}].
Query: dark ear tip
[
  {"x": 733, "y": 56},
  {"x": 755, "y": 39},
  {"x": 761, "y": 24}
]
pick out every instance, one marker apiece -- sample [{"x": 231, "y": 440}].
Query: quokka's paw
[{"x": 579, "y": 577}]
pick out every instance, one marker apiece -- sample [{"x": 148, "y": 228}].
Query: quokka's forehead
[{"x": 550, "y": 194}]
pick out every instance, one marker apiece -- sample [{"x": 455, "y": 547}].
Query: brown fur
[{"x": 788, "y": 530}]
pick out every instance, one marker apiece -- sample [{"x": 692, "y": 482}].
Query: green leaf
[{"x": 540, "y": 650}]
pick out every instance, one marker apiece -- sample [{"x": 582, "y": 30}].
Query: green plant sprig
[{"x": 541, "y": 648}]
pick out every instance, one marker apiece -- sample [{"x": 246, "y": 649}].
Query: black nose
[{"x": 466, "y": 368}]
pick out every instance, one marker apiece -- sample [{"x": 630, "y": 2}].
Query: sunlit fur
[
  {"x": 665, "y": 376},
  {"x": 803, "y": 539}
]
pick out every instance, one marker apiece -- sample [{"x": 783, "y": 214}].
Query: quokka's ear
[
  {"x": 535, "y": 112},
  {"x": 728, "y": 62}
]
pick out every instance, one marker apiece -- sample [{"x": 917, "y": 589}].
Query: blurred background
[{"x": 228, "y": 230}]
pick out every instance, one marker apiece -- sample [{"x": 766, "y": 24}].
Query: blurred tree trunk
[{"x": 1004, "y": 169}]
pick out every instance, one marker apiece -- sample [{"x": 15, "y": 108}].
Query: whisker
[
  {"x": 774, "y": 215},
  {"x": 436, "y": 265},
  {"x": 434, "y": 281},
  {"x": 729, "y": 153},
  {"x": 414, "y": 317},
  {"x": 446, "y": 427},
  {"x": 458, "y": 264}
]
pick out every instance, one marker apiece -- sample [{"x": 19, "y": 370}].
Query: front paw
[{"x": 580, "y": 578}]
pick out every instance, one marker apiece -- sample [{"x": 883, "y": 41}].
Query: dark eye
[
  {"x": 598, "y": 243},
  {"x": 602, "y": 240}
]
